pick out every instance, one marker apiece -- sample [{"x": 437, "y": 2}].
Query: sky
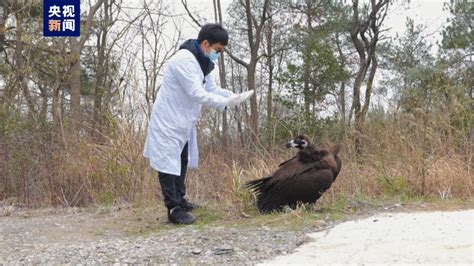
[{"x": 427, "y": 12}]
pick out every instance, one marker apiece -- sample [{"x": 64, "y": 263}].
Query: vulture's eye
[{"x": 304, "y": 143}]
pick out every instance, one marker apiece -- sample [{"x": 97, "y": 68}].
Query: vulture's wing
[
  {"x": 293, "y": 168},
  {"x": 258, "y": 185},
  {"x": 306, "y": 187},
  {"x": 281, "y": 164}
]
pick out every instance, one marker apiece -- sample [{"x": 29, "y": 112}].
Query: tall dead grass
[{"x": 402, "y": 157}]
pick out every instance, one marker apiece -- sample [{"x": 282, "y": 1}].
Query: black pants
[{"x": 172, "y": 186}]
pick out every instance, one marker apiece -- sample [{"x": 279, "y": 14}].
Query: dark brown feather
[{"x": 303, "y": 178}]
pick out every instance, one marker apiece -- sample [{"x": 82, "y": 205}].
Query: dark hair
[{"x": 214, "y": 33}]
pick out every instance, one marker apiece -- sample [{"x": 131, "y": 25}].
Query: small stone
[
  {"x": 223, "y": 250},
  {"x": 196, "y": 251}
]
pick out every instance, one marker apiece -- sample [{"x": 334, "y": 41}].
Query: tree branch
[
  {"x": 236, "y": 59},
  {"x": 185, "y": 5},
  {"x": 89, "y": 19}
]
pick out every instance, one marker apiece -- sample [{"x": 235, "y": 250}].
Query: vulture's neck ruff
[{"x": 310, "y": 154}]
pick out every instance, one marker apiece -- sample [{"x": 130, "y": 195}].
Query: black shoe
[
  {"x": 178, "y": 216},
  {"x": 188, "y": 206}
]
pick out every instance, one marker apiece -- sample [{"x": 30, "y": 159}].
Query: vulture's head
[{"x": 300, "y": 142}]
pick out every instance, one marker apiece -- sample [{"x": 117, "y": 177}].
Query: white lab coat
[{"x": 177, "y": 109}]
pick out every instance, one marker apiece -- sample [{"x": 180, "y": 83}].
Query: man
[{"x": 171, "y": 138}]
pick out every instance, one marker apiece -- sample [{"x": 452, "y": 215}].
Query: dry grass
[{"x": 401, "y": 159}]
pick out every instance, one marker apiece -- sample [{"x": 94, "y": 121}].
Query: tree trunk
[
  {"x": 357, "y": 105},
  {"x": 75, "y": 71},
  {"x": 55, "y": 111},
  {"x": 21, "y": 65},
  {"x": 342, "y": 103},
  {"x": 370, "y": 81},
  {"x": 270, "y": 86},
  {"x": 253, "y": 103},
  {"x": 75, "y": 83},
  {"x": 251, "y": 72},
  {"x": 308, "y": 97},
  {"x": 254, "y": 40},
  {"x": 342, "y": 89},
  {"x": 365, "y": 44},
  {"x": 44, "y": 103},
  {"x": 3, "y": 19},
  {"x": 100, "y": 70},
  {"x": 238, "y": 116},
  {"x": 222, "y": 78}
]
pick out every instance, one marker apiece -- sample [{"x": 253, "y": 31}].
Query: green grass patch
[{"x": 143, "y": 220}]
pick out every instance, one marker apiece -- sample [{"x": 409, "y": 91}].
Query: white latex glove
[
  {"x": 239, "y": 98},
  {"x": 246, "y": 95}
]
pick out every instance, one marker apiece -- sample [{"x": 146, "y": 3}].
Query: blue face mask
[{"x": 213, "y": 55}]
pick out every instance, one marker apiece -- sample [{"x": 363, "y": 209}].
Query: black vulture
[{"x": 303, "y": 178}]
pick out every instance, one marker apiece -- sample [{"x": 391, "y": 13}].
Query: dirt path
[
  {"x": 134, "y": 236},
  {"x": 429, "y": 238},
  {"x": 127, "y": 235}
]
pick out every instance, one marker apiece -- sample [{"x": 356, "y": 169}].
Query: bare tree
[
  {"x": 156, "y": 47},
  {"x": 21, "y": 59},
  {"x": 75, "y": 70},
  {"x": 341, "y": 94},
  {"x": 102, "y": 64},
  {"x": 269, "y": 50},
  {"x": 3, "y": 18},
  {"x": 106, "y": 68},
  {"x": 365, "y": 33},
  {"x": 275, "y": 45},
  {"x": 222, "y": 76},
  {"x": 254, "y": 29},
  {"x": 254, "y": 37}
]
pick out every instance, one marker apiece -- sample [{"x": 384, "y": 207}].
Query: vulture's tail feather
[{"x": 257, "y": 184}]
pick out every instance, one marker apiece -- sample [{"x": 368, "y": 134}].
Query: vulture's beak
[{"x": 290, "y": 144}]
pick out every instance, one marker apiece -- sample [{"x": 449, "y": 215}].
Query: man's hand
[{"x": 239, "y": 98}]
